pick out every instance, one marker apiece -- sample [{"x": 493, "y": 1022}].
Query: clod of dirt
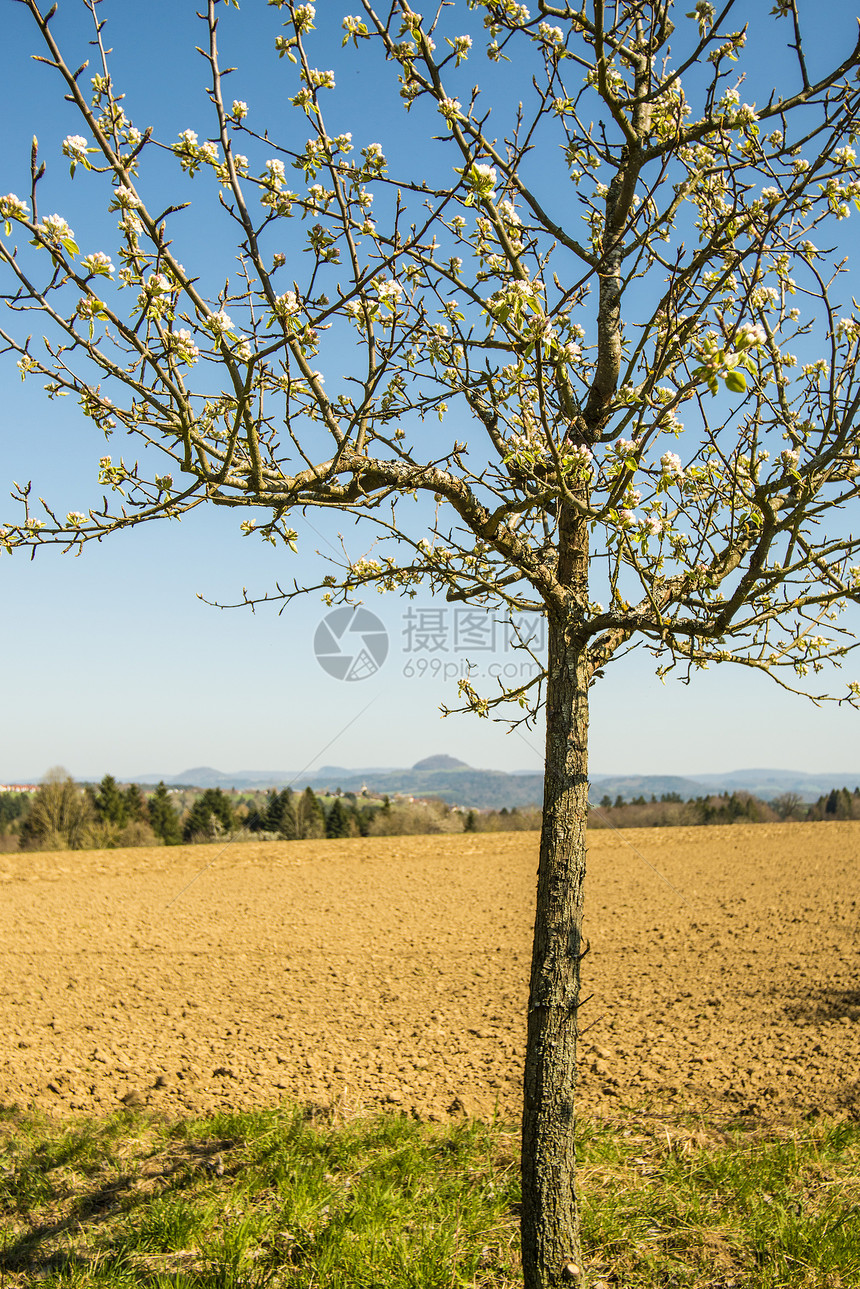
[{"x": 469, "y": 1106}]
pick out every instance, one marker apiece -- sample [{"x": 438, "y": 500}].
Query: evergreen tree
[
  {"x": 135, "y": 804},
  {"x": 280, "y": 814},
  {"x": 310, "y": 815},
  {"x": 337, "y": 823},
  {"x": 363, "y": 816},
  {"x": 270, "y": 813},
  {"x": 470, "y": 823},
  {"x": 198, "y": 823},
  {"x": 256, "y": 821},
  {"x": 110, "y": 804},
  {"x": 13, "y": 805},
  {"x": 211, "y": 816},
  {"x": 163, "y": 817}
]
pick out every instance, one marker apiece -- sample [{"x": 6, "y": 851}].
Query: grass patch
[{"x": 277, "y": 1198}]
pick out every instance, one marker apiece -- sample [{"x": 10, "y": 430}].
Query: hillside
[{"x": 460, "y": 784}]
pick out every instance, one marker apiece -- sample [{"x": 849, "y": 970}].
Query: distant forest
[{"x": 64, "y": 815}]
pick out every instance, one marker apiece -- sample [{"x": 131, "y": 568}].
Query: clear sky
[{"x": 112, "y": 663}]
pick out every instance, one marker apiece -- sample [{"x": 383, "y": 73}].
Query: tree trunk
[{"x": 550, "y": 1221}]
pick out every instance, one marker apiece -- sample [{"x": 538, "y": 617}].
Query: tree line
[
  {"x": 65, "y": 815},
  {"x": 671, "y": 810}
]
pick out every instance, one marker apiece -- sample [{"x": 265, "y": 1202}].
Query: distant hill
[
  {"x": 768, "y": 784},
  {"x": 461, "y": 786},
  {"x": 204, "y": 776},
  {"x": 440, "y": 763},
  {"x": 765, "y": 784},
  {"x": 452, "y": 780},
  {"x": 629, "y": 786}
]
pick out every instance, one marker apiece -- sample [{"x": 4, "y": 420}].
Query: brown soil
[{"x": 394, "y": 971}]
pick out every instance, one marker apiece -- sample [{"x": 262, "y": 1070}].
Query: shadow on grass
[
  {"x": 243, "y": 1200},
  {"x": 33, "y": 1252}
]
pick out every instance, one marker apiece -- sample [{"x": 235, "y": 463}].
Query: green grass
[{"x": 277, "y": 1198}]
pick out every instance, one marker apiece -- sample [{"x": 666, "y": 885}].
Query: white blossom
[
  {"x": 275, "y": 172},
  {"x": 75, "y": 147},
  {"x": 671, "y": 464},
  {"x": 509, "y": 214},
  {"x": 389, "y": 292},
  {"x": 125, "y": 199},
  {"x": 550, "y": 35},
  {"x": 219, "y": 323},
  {"x": 181, "y": 344},
  {"x": 98, "y": 263},
  {"x": 580, "y": 456},
  {"x": 482, "y": 180},
  {"x": 88, "y": 307},
  {"x": 461, "y": 46},
  {"x": 750, "y": 335},
  {"x": 287, "y": 304},
  {"x": 55, "y": 229},
  {"x": 625, "y": 447},
  {"x": 12, "y": 207}
]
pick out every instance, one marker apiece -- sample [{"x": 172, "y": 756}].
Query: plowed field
[{"x": 394, "y": 971}]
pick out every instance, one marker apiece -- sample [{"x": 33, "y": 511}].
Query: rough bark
[{"x": 550, "y": 1221}]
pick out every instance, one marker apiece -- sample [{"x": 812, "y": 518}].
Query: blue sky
[{"x": 111, "y": 661}]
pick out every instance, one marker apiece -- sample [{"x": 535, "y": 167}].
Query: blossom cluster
[
  {"x": 181, "y": 345},
  {"x": 192, "y": 154}
]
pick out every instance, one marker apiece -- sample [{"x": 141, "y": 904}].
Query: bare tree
[
  {"x": 61, "y": 815},
  {"x": 603, "y": 240}
]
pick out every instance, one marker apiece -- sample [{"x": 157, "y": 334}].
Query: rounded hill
[{"x": 440, "y": 763}]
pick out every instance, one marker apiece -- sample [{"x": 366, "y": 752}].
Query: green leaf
[{"x": 736, "y": 381}]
